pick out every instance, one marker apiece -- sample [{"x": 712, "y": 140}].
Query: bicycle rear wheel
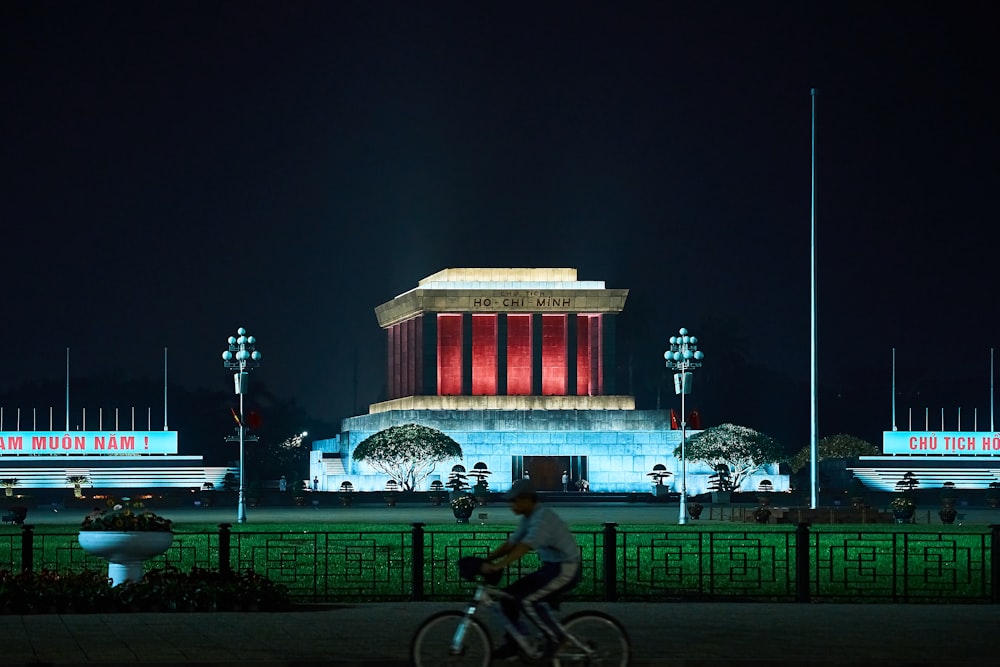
[
  {"x": 431, "y": 645},
  {"x": 606, "y": 640}
]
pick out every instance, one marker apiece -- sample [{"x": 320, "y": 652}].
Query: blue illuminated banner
[
  {"x": 91, "y": 443},
  {"x": 952, "y": 443}
]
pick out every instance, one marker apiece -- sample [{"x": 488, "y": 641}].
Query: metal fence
[{"x": 796, "y": 564}]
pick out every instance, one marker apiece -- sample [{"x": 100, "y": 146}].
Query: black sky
[{"x": 174, "y": 170}]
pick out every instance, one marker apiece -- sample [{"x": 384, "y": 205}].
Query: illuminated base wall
[
  {"x": 966, "y": 459},
  {"x": 617, "y": 448},
  {"x": 119, "y": 472},
  {"x": 882, "y": 473}
]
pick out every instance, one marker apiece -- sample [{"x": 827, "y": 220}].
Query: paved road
[{"x": 669, "y": 634}]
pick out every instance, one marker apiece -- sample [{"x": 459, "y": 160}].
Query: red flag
[
  {"x": 236, "y": 417},
  {"x": 253, "y": 420},
  {"x": 674, "y": 423},
  {"x": 695, "y": 420}
]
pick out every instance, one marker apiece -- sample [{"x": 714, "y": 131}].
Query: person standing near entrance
[{"x": 565, "y": 481}]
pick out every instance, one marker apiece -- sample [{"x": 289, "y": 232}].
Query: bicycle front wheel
[
  {"x": 433, "y": 642},
  {"x": 604, "y": 637}
]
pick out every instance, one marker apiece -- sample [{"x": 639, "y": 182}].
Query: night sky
[{"x": 174, "y": 170}]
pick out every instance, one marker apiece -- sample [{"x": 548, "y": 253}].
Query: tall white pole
[
  {"x": 814, "y": 389},
  {"x": 67, "y": 389},
  {"x": 991, "y": 390},
  {"x": 894, "y": 389},
  {"x": 164, "y": 389}
]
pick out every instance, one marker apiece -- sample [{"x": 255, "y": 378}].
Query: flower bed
[
  {"x": 125, "y": 515},
  {"x": 166, "y": 589}
]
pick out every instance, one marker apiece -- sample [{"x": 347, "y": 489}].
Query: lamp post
[
  {"x": 241, "y": 356},
  {"x": 682, "y": 356}
]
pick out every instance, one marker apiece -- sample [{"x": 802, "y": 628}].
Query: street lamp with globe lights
[
  {"x": 682, "y": 356},
  {"x": 241, "y": 356}
]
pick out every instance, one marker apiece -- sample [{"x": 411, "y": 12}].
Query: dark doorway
[{"x": 546, "y": 471}]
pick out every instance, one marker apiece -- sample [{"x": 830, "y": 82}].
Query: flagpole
[
  {"x": 894, "y": 389},
  {"x": 814, "y": 391},
  {"x": 67, "y": 389}
]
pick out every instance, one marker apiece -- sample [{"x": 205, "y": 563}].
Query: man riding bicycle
[{"x": 542, "y": 531}]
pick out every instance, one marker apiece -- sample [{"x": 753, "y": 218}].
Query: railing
[{"x": 646, "y": 564}]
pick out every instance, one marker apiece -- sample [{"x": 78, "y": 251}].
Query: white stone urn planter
[{"x": 125, "y": 551}]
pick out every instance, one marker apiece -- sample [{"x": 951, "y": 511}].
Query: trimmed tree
[
  {"x": 840, "y": 446},
  {"x": 407, "y": 453},
  {"x": 739, "y": 449}
]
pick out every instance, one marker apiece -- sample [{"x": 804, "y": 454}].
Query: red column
[
  {"x": 583, "y": 355},
  {"x": 518, "y": 355},
  {"x": 554, "y": 355},
  {"x": 484, "y": 355},
  {"x": 449, "y": 355}
]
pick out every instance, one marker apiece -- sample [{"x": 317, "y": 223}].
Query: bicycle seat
[{"x": 470, "y": 567}]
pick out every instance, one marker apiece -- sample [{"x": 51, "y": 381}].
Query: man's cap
[{"x": 522, "y": 487}]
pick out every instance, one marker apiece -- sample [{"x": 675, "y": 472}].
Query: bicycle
[{"x": 457, "y": 638}]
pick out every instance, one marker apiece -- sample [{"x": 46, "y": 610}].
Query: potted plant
[
  {"x": 762, "y": 514},
  {"x": 437, "y": 494},
  {"x": 993, "y": 495},
  {"x": 902, "y": 507},
  {"x": 207, "y": 494},
  {"x": 462, "y": 506},
  {"x": 77, "y": 481},
  {"x": 391, "y": 494},
  {"x": 346, "y": 493},
  {"x": 481, "y": 489},
  {"x": 694, "y": 510},
  {"x": 948, "y": 514},
  {"x": 659, "y": 473},
  {"x": 720, "y": 483},
  {"x": 125, "y": 534},
  {"x": 8, "y": 485},
  {"x": 457, "y": 480},
  {"x": 948, "y": 494},
  {"x": 481, "y": 492}
]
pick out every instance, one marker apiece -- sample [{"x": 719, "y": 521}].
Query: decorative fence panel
[
  {"x": 902, "y": 566},
  {"x": 804, "y": 564}
]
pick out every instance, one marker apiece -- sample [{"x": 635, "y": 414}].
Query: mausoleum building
[{"x": 518, "y": 366}]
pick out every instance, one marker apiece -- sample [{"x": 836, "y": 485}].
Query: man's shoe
[{"x": 506, "y": 651}]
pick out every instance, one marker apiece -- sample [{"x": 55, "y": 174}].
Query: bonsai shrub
[{"x": 8, "y": 484}]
